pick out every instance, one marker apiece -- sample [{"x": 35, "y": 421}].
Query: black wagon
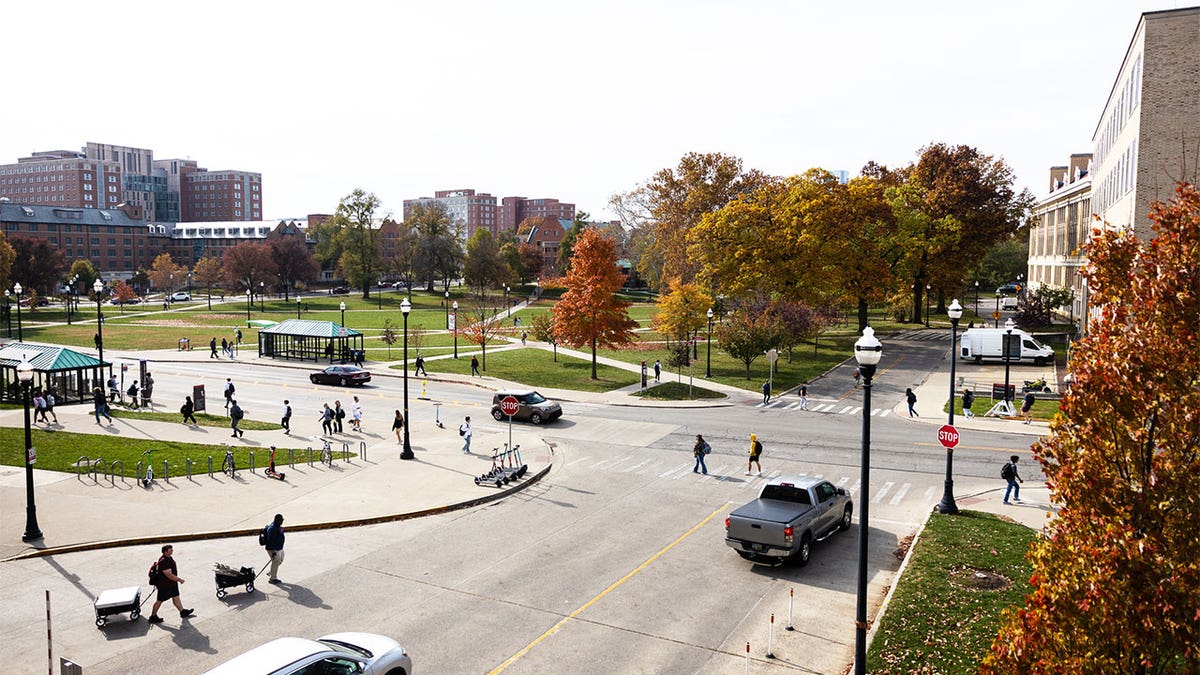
[{"x": 228, "y": 577}]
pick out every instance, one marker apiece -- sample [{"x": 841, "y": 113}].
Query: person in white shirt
[
  {"x": 465, "y": 432},
  {"x": 356, "y": 413}
]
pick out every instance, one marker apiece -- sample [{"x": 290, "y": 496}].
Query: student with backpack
[
  {"x": 756, "y": 450},
  {"x": 1009, "y": 473},
  {"x": 229, "y": 389},
  {"x": 132, "y": 392},
  {"x": 235, "y": 416},
  {"x": 911, "y": 398},
  {"x": 968, "y": 400},
  {"x": 188, "y": 410},
  {"x": 339, "y": 414},
  {"x": 165, "y": 578},
  {"x": 39, "y": 407},
  {"x": 272, "y": 537},
  {"x": 701, "y": 449},
  {"x": 50, "y": 402},
  {"x": 286, "y": 420}
]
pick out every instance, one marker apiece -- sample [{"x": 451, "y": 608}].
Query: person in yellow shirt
[{"x": 755, "y": 452}]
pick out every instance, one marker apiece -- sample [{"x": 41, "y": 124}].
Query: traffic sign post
[
  {"x": 947, "y": 435},
  {"x": 509, "y": 405}
]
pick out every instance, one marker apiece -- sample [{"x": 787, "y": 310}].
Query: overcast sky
[{"x": 570, "y": 100}]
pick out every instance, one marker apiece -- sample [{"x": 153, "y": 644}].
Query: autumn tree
[
  {"x": 349, "y": 241},
  {"x": 390, "y": 335},
  {"x": 1036, "y": 308},
  {"x": 37, "y": 265},
  {"x": 163, "y": 272},
  {"x": 1116, "y": 579},
  {"x": 209, "y": 273},
  {"x": 531, "y": 260},
  {"x": 589, "y": 312},
  {"x": 122, "y": 293},
  {"x": 542, "y": 328},
  {"x": 682, "y": 311},
  {"x": 248, "y": 264},
  {"x": 8, "y": 256},
  {"x": 294, "y": 262},
  {"x": 748, "y": 332}
]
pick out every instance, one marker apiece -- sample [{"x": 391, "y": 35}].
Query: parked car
[
  {"x": 365, "y": 653},
  {"x": 39, "y": 302},
  {"x": 533, "y": 407},
  {"x": 399, "y": 284},
  {"x": 789, "y": 515},
  {"x": 1011, "y": 288},
  {"x": 131, "y": 301},
  {"x": 180, "y": 296},
  {"x": 339, "y": 290},
  {"x": 343, "y": 376}
]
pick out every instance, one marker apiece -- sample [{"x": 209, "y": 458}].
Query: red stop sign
[
  {"x": 948, "y": 436},
  {"x": 509, "y": 405}
]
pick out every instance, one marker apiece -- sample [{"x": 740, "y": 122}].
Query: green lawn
[
  {"x": 1043, "y": 409},
  {"x": 537, "y": 368},
  {"x": 676, "y": 391},
  {"x": 59, "y": 450},
  {"x": 202, "y": 419},
  {"x": 943, "y": 615}
]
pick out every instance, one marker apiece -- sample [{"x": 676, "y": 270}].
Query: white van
[
  {"x": 1008, "y": 303},
  {"x": 988, "y": 343}
]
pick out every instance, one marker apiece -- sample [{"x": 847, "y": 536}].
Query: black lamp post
[
  {"x": 70, "y": 297},
  {"x": 297, "y": 306},
  {"x": 454, "y": 306},
  {"x": 977, "y": 299},
  {"x": 262, "y": 291},
  {"x": 189, "y": 284},
  {"x": 708, "y": 356},
  {"x": 98, "y": 287},
  {"x": 446, "y": 304},
  {"x": 867, "y": 351},
  {"x": 342, "y": 306},
  {"x": 17, "y": 291},
  {"x": 1008, "y": 329},
  {"x": 406, "y": 453},
  {"x": 947, "y": 504},
  {"x": 928, "y": 288},
  {"x": 32, "y": 532},
  {"x": 249, "y": 302},
  {"x": 8, "y": 312}
]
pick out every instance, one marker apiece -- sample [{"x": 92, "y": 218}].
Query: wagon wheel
[
  {"x": 100, "y": 621},
  {"x": 498, "y": 483},
  {"x": 135, "y": 614},
  {"x": 477, "y": 480},
  {"x": 221, "y": 593},
  {"x": 250, "y": 587}
]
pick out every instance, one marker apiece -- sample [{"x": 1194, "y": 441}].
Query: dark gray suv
[{"x": 533, "y": 407}]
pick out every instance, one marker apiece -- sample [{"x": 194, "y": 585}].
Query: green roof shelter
[
  {"x": 67, "y": 373},
  {"x": 303, "y": 339}
]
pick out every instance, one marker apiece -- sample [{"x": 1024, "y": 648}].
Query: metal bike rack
[
  {"x": 96, "y": 466},
  {"x": 291, "y": 458},
  {"x": 310, "y": 455},
  {"x": 251, "y": 461},
  {"x": 140, "y": 470},
  {"x": 362, "y": 450},
  {"x": 82, "y": 464},
  {"x": 210, "y": 466},
  {"x": 345, "y": 451},
  {"x": 112, "y": 470},
  {"x": 166, "y": 471},
  {"x": 187, "y": 467}
]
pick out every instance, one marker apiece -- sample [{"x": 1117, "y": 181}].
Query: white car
[
  {"x": 349, "y": 653},
  {"x": 180, "y": 296}
]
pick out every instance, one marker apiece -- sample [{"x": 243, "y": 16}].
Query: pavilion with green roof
[
  {"x": 304, "y": 339},
  {"x": 67, "y": 373}
]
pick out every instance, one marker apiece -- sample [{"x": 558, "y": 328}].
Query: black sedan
[{"x": 343, "y": 376}]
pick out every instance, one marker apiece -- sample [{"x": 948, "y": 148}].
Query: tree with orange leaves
[
  {"x": 1116, "y": 579},
  {"x": 589, "y": 313}
]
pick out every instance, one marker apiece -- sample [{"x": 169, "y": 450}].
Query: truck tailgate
[{"x": 762, "y": 520}]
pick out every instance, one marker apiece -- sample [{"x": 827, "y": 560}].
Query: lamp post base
[{"x": 947, "y": 505}]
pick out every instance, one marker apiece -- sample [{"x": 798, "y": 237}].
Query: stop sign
[
  {"x": 948, "y": 436},
  {"x": 509, "y": 405}
]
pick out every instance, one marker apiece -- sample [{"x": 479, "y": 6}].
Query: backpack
[
  {"x": 341, "y": 413},
  {"x": 237, "y": 413},
  {"x": 462, "y": 431},
  {"x": 49, "y": 400},
  {"x": 758, "y": 447},
  {"x": 155, "y": 575},
  {"x": 1008, "y": 471},
  {"x": 229, "y": 388},
  {"x": 706, "y": 448},
  {"x": 262, "y": 536},
  {"x": 183, "y": 409},
  {"x": 132, "y": 390}
]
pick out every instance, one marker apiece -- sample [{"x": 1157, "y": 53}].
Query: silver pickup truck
[{"x": 788, "y": 516}]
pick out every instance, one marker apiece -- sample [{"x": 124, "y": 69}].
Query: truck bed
[{"x": 770, "y": 510}]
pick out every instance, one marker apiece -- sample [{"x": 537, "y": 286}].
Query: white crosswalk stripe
[{"x": 887, "y": 487}]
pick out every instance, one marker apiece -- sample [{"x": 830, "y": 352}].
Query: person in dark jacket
[
  {"x": 188, "y": 410},
  {"x": 101, "y": 405},
  {"x": 274, "y": 545},
  {"x": 235, "y": 417}
]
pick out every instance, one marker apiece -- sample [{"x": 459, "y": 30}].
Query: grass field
[
  {"x": 676, "y": 391},
  {"x": 537, "y": 368},
  {"x": 59, "y": 450}
]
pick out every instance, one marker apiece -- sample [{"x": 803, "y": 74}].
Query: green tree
[
  {"x": 483, "y": 266},
  {"x": 85, "y": 275},
  {"x": 349, "y": 241},
  {"x": 7, "y": 257},
  {"x": 439, "y": 255},
  {"x": 542, "y": 327},
  {"x": 748, "y": 332},
  {"x": 511, "y": 253},
  {"x": 566, "y": 247},
  {"x": 1116, "y": 581},
  {"x": 589, "y": 312},
  {"x": 209, "y": 273},
  {"x": 1002, "y": 263}
]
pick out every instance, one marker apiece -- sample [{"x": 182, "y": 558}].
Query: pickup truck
[{"x": 788, "y": 516}]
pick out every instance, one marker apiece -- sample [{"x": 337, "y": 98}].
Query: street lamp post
[
  {"x": 17, "y": 291},
  {"x": 928, "y": 288},
  {"x": 98, "y": 286},
  {"x": 406, "y": 453},
  {"x": 977, "y": 299},
  {"x": 249, "y": 302},
  {"x": 947, "y": 504},
  {"x": 708, "y": 356},
  {"x": 189, "y": 284},
  {"x": 1008, "y": 329},
  {"x": 8, "y": 312},
  {"x": 454, "y": 306},
  {"x": 297, "y": 306},
  {"x": 70, "y": 297},
  {"x": 342, "y": 306},
  {"x": 262, "y": 291},
  {"x": 446, "y": 304},
  {"x": 32, "y": 532},
  {"x": 867, "y": 351}
]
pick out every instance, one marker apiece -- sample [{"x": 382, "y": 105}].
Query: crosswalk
[
  {"x": 814, "y": 406},
  {"x": 923, "y": 335},
  {"x": 731, "y": 471}
]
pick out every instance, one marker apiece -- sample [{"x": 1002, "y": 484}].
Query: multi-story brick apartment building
[
  {"x": 115, "y": 241},
  {"x": 103, "y": 175},
  {"x": 515, "y": 210},
  {"x": 475, "y": 210},
  {"x": 1063, "y": 220}
]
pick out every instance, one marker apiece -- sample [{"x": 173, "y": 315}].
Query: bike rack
[
  {"x": 96, "y": 469},
  {"x": 251, "y": 461},
  {"x": 362, "y": 450},
  {"x": 291, "y": 458},
  {"x": 140, "y": 470},
  {"x": 345, "y": 451},
  {"x": 81, "y": 464},
  {"x": 112, "y": 469},
  {"x": 166, "y": 472},
  {"x": 187, "y": 467},
  {"x": 310, "y": 455},
  {"x": 210, "y": 466}
]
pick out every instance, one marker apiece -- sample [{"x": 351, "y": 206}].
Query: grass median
[
  {"x": 536, "y": 368},
  {"x": 946, "y": 610},
  {"x": 60, "y": 450},
  {"x": 202, "y": 419},
  {"x": 677, "y": 391}
]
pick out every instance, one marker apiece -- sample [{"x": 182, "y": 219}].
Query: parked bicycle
[
  {"x": 229, "y": 466},
  {"x": 327, "y": 454}
]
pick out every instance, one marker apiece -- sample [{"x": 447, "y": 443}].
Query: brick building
[
  {"x": 1063, "y": 220},
  {"x": 515, "y": 210},
  {"x": 116, "y": 243},
  {"x": 470, "y": 209}
]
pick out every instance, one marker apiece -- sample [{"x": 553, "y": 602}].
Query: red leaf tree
[
  {"x": 1116, "y": 580},
  {"x": 589, "y": 313}
]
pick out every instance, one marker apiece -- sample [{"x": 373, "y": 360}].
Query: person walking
[
  {"x": 225, "y": 346},
  {"x": 1026, "y": 407},
  {"x": 50, "y": 403},
  {"x": 804, "y": 397},
  {"x": 148, "y": 390},
  {"x": 167, "y": 585},
  {"x": 132, "y": 392},
  {"x": 699, "y": 450},
  {"x": 523, "y": 336},
  {"x": 968, "y": 400},
  {"x": 356, "y": 414},
  {"x": 274, "y": 536},
  {"x": 657, "y": 370},
  {"x": 101, "y": 405},
  {"x": 114, "y": 389},
  {"x": 398, "y": 426},
  {"x": 339, "y": 414},
  {"x": 327, "y": 420},
  {"x": 229, "y": 389},
  {"x": 465, "y": 432},
  {"x": 766, "y": 390},
  {"x": 39, "y": 407},
  {"x": 188, "y": 410},
  {"x": 756, "y": 449},
  {"x": 857, "y": 377},
  {"x": 911, "y": 397},
  {"x": 475, "y": 366},
  {"x": 235, "y": 417},
  {"x": 212, "y": 347},
  {"x": 1009, "y": 474},
  {"x": 286, "y": 418},
  {"x": 419, "y": 367}
]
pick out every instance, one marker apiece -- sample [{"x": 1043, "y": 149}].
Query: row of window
[
  {"x": 46, "y": 168},
  {"x": 1124, "y": 106},
  {"x": 1118, "y": 181}
]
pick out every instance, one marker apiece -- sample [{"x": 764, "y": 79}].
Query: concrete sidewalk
[{"x": 82, "y": 511}]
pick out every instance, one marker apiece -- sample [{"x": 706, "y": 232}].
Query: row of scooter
[{"x": 506, "y": 467}]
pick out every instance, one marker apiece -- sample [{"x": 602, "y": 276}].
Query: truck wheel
[
  {"x": 978, "y": 360},
  {"x": 1039, "y": 361},
  {"x": 805, "y": 551},
  {"x": 845, "y": 525}
]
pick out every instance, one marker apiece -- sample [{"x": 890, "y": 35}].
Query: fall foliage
[
  {"x": 589, "y": 312},
  {"x": 1117, "y": 577}
]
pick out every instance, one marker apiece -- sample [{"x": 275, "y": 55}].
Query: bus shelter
[
  {"x": 304, "y": 340},
  {"x": 66, "y": 373}
]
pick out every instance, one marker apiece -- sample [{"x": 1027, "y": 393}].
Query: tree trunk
[
  {"x": 918, "y": 296},
  {"x": 594, "y": 377},
  {"x": 862, "y": 314}
]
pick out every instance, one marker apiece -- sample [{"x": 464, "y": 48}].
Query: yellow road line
[{"x": 554, "y": 629}]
